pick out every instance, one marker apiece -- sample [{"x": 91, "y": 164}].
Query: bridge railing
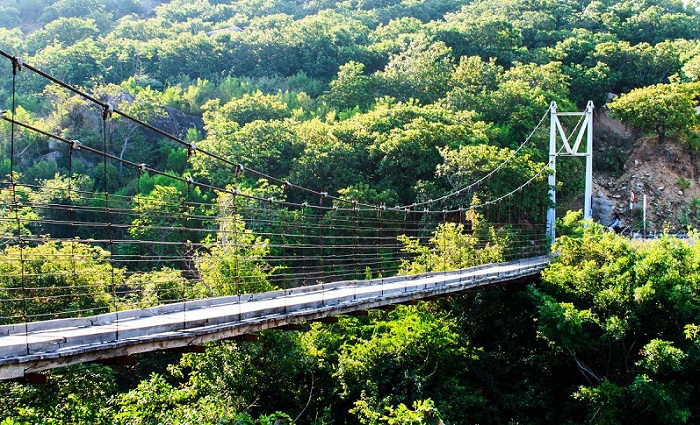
[
  {"x": 71, "y": 253},
  {"x": 136, "y": 236}
]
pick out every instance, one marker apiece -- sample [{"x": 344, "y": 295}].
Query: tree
[
  {"x": 249, "y": 108},
  {"x": 466, "y": 165},
  {"x": 16, "y": 216},
  {"x": 160, "y": 220},
  {"x": 326, "y": 162},
  {"x": 423, "y": 412},
  {"x": 420, "y": 72},
  {"x": 78, "y": 64},
  {"x": 79, "y": 394},
  {"x": 452, "y": 247},
  {"x": 490, "y": 38},
  {"x": 352, "y": 87},
  {"x": 73, "y": 8},
  {"x": 411, "y": 153},
  {"x": 471, "y": 80},
  {"x": 64, "y": 32},
  {"x": 636, "y": 66},
  {"x": 321, "y": 43},
  {"x": 599, "y": 306},
  {"x": 12, "y": 41},
  {"x": 269, "y": 146},
  {"x": 9, "y": 17},
  {"x": 55, "y": 279},
  {"x": 234, "y": 264},
  {"x": 54, "y": 197},
  {"x": 665, "y": 109},
  {"x": 408, "y": 355}
]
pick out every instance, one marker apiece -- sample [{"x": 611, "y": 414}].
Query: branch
[
  {"x": 311, "y": 391},
  {"x": 585, "y": 370}
]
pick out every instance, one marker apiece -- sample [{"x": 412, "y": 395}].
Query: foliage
[
  {"x": 352, "y": 88},
  {"x": 73, "y": 395},
  {"x": 662, "y": 108},
  {"x": 234, "y": 264},
  {"x": 471, "y": 163},
  {"x": 423, "y": 412},
  {"x": 605, "y": 294},
  {"x": 452, "y": 247},
  {"x": 159, "y": 218},
  {"x": 150, "y": 289},
  {"x": 379, "y": 101},
  {"x": 421, "y": 72},
  {"x": 252, "y": 107},
  {"x": 44, "y": 281},
  {"x": 15, "y": 216}
]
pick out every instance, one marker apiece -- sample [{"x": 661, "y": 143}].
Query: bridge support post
[{"x": 566, "y": 149}]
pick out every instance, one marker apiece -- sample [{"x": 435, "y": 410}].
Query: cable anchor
[
  {"x": 107, "y": 111},
  {"x": 17, "y": 64}
]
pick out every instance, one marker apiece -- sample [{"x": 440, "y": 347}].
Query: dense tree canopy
[
  {"x": 662, "y": 109},
  {"x": 388, "y": 102}
]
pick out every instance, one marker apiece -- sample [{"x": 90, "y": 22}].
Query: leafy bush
[{"x": 452, "y": 247}]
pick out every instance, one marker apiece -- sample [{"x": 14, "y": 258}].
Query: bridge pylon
[{"x": 559, "y": 145}]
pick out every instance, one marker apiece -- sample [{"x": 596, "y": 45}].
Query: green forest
[{"x": 379, "y": 102}]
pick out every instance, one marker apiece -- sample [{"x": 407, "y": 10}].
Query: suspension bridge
[{"x": 88, "y": 274}]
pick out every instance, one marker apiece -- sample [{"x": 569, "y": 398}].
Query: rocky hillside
[{"x": 666, "y": 173}]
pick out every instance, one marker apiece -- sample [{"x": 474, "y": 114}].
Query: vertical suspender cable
[
  {"x": 283, "y": 242},
  {"x": 305, "y": 252},
  {"x": 142, "y": 295},
  {"x": 236, "y": 277},
  {"x": 444, "y": 254},
  {"x": 16, "y": 67},
  {"x": 321, "y": 265},
  {"x": 353, "y": 263},
  {"x": 184, "y": 230},
  {"x": 106, "y": 113},
  {"x": 71, "y": 230},
  {"x": 380, "y": 243}
]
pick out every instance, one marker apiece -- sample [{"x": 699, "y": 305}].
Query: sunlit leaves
[
  {"x": 607, "y": 294},
  {"x": 660, "y": 356},
  {"x": 423, "y": 412},
  {"x": 421, "y": 72},
  {"x": 251, "y": 107},
  {"x": 665, "y": 109},
  {"x": 452, "y": 247},
  {"x": 54, "y": 279},
  {"x": 352, "y": 88}
]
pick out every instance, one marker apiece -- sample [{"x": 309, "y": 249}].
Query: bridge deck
[{"x": 33, "y": 347}]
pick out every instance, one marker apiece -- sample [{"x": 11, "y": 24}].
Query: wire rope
[
  {"x": 192, "y": 149},
  {"x": 327, "y": 241},
  {"x": 502, "y": 164}
]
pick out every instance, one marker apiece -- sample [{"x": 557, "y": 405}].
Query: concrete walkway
[{"x": 32, "y": 347}]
